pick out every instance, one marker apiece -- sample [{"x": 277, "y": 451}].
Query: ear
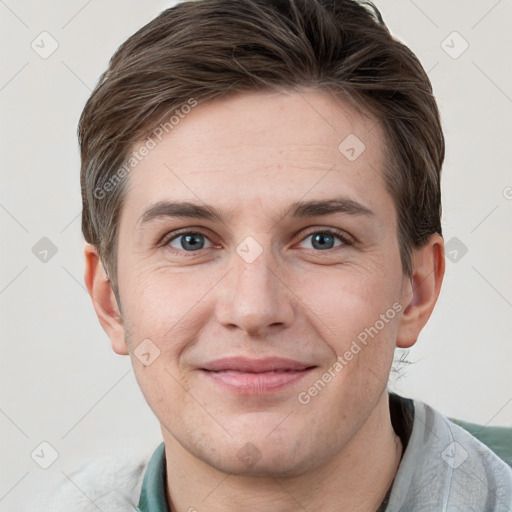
[
  {"x": 420, "y": 292},
  {"x": 104, "y": 300}
]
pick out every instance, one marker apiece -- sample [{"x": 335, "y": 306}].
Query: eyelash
[{"x": 326, "y": 231}]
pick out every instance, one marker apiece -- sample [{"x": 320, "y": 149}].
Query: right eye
[{"x": 186, "y": 241}]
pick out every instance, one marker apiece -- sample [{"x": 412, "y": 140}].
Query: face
[{"x": 235, "y": 320}]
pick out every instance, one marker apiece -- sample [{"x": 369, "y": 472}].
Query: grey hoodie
[{"x": 443, "y": 469}]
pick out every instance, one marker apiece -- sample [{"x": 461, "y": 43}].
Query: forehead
[{"x": 266, "y": 150}]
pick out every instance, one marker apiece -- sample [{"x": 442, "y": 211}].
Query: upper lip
[{"x": 245, "y": 364}]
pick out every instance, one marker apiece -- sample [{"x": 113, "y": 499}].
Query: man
[{"x": 261, "y": 205}]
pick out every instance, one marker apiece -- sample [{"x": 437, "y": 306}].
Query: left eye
[{"x": 324, "y": 240}]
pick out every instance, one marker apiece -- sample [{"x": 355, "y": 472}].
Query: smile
[{"x": 255, "y": 377}]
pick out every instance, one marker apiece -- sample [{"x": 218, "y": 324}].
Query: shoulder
[
  {"x": 109, "y": 483},
  {"x": 471, "y": 474},
  {"x": 497, "y": 438},
  {"x": 444, "y": 467}
]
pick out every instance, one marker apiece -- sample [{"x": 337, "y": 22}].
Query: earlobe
[
  {"x": 104, "y": 300},
  {"x": 421, "y": 290}
]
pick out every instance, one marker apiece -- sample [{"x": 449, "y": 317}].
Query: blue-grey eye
[
  {"x": 189, "y": 241},
  {"x": 324, "y": 240}
]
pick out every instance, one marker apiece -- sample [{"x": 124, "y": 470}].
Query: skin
[{"x": 251, "y": 156}]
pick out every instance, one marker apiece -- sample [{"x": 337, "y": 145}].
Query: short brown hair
[{"x": 208, "y": 49}]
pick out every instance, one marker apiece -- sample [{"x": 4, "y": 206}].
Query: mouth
[{"x": 255, "y": 376}]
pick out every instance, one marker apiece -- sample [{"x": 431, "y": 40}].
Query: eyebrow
[{"x": 298, "y": 209}]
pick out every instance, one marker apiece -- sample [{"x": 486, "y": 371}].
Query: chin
[{"x": 259, "y": 459}]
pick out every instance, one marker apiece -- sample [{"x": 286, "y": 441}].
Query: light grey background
[{"x": 60, "y": 380}]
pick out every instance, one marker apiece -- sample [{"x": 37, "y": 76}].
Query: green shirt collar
[
  {"x": 403, "y": 411},
  {"x": 153, "y": 493},
  {"x": 152, "y": 496}
]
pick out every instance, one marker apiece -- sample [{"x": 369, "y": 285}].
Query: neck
[{"x": 356, "y": 479}]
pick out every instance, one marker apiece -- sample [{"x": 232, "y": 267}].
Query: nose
[{"x": 255, "y": 297}]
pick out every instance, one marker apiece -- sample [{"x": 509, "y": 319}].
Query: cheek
[
  {"x": 164, "y": 390},
  {"x": 159, "y": 302},
  {"x": 344, "y": 302},
  {"x": 356, "y": 313}
]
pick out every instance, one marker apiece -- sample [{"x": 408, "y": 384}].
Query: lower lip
[{"x": 256, "y": 383}]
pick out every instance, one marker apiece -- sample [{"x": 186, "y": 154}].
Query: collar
[
  {"x": 153, "y": 494},
  {"x": 428, "y": 478}
]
